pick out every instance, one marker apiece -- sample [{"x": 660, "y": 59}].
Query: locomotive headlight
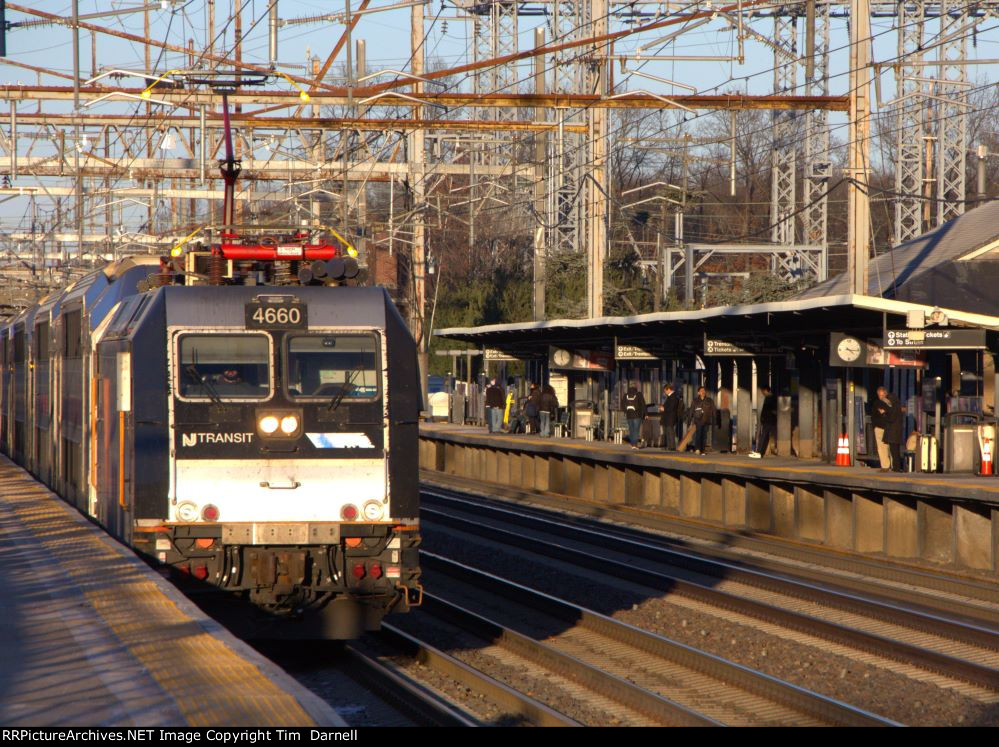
[
  {"x": 372, "y": 510},
  {"x": 187, "y": 512},
  {"x": 289, "y": 424},
  {"x": 280, "y": 429}
]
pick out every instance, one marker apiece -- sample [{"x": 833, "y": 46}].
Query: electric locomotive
[
  {"x": 234, "y": 413},
  {"x": 260, "y": 439}
]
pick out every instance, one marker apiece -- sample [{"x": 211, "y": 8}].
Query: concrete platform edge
[{"x": 319, "y": 710}]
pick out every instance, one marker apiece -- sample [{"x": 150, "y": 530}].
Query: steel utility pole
[
  {"x": 79, "y": 139},
  {"x": 540, "y": 188},
  {"x": 858, "y": 242},
  {"x": 596, "y": 185},
  {"x": 417, "y": 178}
]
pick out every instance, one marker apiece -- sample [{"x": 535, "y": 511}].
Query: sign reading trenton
[
  {"x": 494, "y": 354},
  {"x": 935, "y": 339},
  {"x": 743, "y": 347},
  {"x": 643, "y": 352}
]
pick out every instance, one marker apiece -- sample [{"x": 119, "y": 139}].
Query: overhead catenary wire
[{"x": 688, "y": 121}]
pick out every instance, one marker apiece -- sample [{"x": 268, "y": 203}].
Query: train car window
[
  {"x": 19, "y": 347},
  {"x": 334, "y": 366},
  {"x": 42, "y": 341},
  {"x": 71, "y": 347},
  {"x": 224, "y": 366}
]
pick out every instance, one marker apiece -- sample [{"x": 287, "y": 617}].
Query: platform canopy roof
[
  {"x": 956, "y": 265},
  {"x": 800, "y": 319}
]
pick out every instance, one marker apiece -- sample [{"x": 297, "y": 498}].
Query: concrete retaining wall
[{"x": 941, "y": 530}]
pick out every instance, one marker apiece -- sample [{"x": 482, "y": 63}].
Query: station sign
[
  {"x": 495, "y": 354},
  {"x": 580, "y": 360},
  {"x": 935, "y": 339},
  {"x": 643, "y": 352},
  {"x": 714, "y": 347}
]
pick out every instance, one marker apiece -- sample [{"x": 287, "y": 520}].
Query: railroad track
[
  {"x": 392, "y": 678},
  {"x": 515, "y": 707},
  {"x": 957, "y": 649},
  {"x": 638, "y": 677},
  {"x": 958, "y": 595},
  {"x": 409, "y": 698}
]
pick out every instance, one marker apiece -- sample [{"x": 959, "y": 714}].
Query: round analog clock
[
  {"x": 849, "y": 349},
  {"x": 561, "y": 357}
]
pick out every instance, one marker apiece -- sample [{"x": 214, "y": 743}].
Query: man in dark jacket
[
  {"x": 633, "y": 404},
  {"x": 702, "y": 415},
  {"x": 768, "y": 423},
  {"x": 532, "y": 409},
  {"x": 494, "y": 406},
  {"x": 670, "y": 414},
  {"x": 549, "y": 409},
  {"x": 893, "y": 427},
  {"x": 880, "y": 415}
]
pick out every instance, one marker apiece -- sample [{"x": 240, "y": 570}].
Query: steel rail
[
  {"x": 516, "y": 702},
  {"x": 812, "y": 704},
  {"x": 402, "y": 693},
  {"x": 660, "y": 709},
  {"x": 740, "y": 570},
  {"x": 927, "y": 659},
  {"x": 882, "y": 568}
]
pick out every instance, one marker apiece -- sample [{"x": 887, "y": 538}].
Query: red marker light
[
  {"x": 200, "y": 572},
  {"x": 348, "y": 512},
  {"x": 210, "y": 513},
  {"x": 359, "y": 570},
  {"x": 376, "y": 570}
]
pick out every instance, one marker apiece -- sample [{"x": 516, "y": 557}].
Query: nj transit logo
[{"x": 189, "y": 440}]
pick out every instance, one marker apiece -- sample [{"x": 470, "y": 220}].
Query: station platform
[
  {"x": 950, "y": 519},
  {"x": 815, "y": 471},
  {"x": 91, "y": 636}
]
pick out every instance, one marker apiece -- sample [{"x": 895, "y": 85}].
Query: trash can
[
  {"x": 458, "y": 409},
  {"x": 960, "y": 436},
  {"x": 583, "y": 418}
]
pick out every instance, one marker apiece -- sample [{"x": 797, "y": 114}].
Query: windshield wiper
[
  {"x": 213, "y": 395},
  {"x": 335, "y": 402}
]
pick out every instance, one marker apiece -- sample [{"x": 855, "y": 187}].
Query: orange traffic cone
[
  {"x": 843, "y": 451},
  {"x": 986, "y": 457}
]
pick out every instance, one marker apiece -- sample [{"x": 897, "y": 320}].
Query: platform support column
[
  {"x": 784, "y": 425},
  {"x": 727, "y": 377},
  {"x": 808, "y": 392},
  {"x": 744, "y": 404},
  {"x": 712, "y": 385}
]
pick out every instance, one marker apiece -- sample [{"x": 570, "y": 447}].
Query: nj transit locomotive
[{"x": 262, "y": 439}]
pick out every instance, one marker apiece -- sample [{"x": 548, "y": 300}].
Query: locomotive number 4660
[{"x": 288, "y": 315}]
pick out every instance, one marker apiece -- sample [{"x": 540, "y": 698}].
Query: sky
[{"x": 448, "y": 32}]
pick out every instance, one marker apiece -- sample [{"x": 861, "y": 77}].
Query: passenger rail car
[{"x": 260, "y": 439}]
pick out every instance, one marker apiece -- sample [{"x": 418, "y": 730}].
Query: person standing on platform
[
  {"x": 494, "y": 406},
  {"x": 634, "y": 410},
  {"x": 511, "y": 401},
  {"x": 768, "y": 423},
  {"x": 702, "y": 416},
  {"x": 893, "y": 428},
  {"x": 880, "y": 414},
  {"x": 549, "y": 409},
  {"x": 532, "y": 409},
  {"x": 670, "y": 414}
]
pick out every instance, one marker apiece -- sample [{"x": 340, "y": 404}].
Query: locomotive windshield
[
  {"x": 223, "y": 366},
  {"x": 337, "y": 366}
]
